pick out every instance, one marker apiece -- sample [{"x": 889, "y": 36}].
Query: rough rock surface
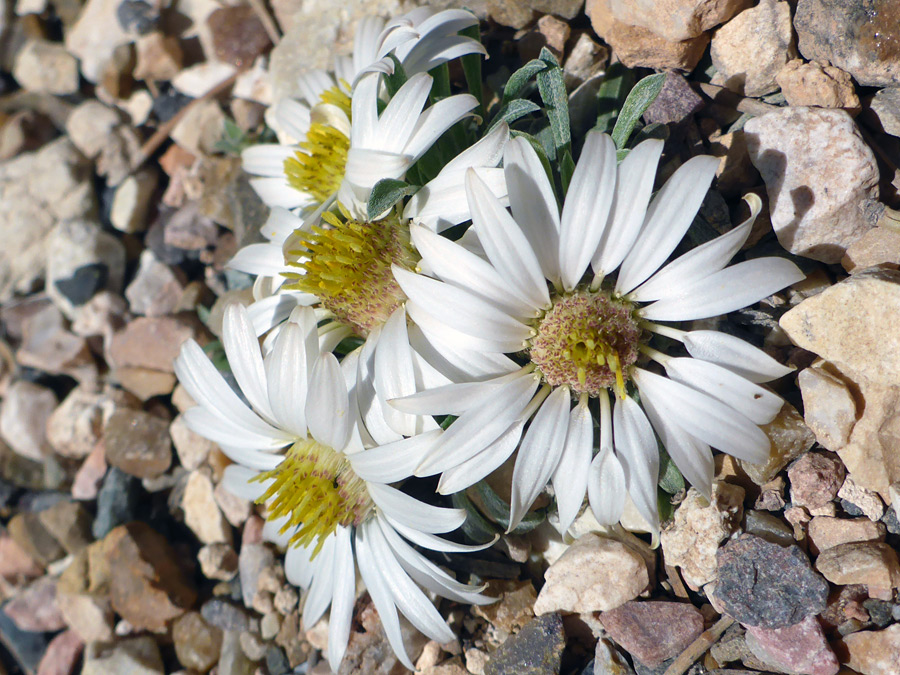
[
  {"x": 821, "y": 178},
  {"x": 872, "y": 563},
  {"x": 653, "y": 631},
  {"x": 817, "y": 84},
  {"x": 763, "y": 584},
  {"x": 826, "y": 532},
  {"x": 534, "y": 650},
  {"x": 800, "y": 648},
  {"x": 873, "y": 652},
  {"x": 676, "y": 20},
  {"x": 829, "y": 407},
  {"x": 815, "y": 479},
  {"x": 878, "y": 246}
]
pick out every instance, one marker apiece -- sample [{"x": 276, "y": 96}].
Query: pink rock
[
  {"x": 800, "y": 648},
  {"x": 89, "y": 476},
  {"x": 35, "y": 608},
  {"x": 815, "y": 479},
  {"x": 653, "y": 631},
  {"x": 61, "y": 657},
  {"x": 16, "y": 565}
]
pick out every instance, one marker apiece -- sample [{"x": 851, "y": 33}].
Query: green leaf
[
  {"x": 476, "y": 527},
  {"x": 656, "y": 130},
  {"x": 440, "y": 85},
  {"x": 395, "y": 80},
  {"x": 512, "y": 111},
  {"x": 233, "y": 140},
  {"x": 552, "y": 87},
  {"x": 385, "y": 194},
  {"x": 471, "y": 65},
  {"x": 670, "y": 478},
  {"x": 517, "y": 81},
  {"x": 447, "y": 421},
  {"x": 639, "y": 99},
  {"x": 611, "y": 95},
  {"x": 566, "y": 169},
  {"x": 664, "y": 506},
  {"x": 215, "y": 350},
  {"x": 498, "y": 510}
]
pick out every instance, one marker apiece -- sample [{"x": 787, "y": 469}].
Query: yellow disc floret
[{"x": 315, "y": 488}]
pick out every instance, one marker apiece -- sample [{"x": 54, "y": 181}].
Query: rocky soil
[{"x": 122, "y": 198}]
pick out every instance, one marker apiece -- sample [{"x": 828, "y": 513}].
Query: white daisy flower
[
  {"x": 302, "y": 448},
  {"x": 585, "y": 339},
  {"x": 315, "y": 133}
]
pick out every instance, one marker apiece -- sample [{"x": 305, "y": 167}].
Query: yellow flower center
[
  {"x": 586, "y": 340},
  {"x": 347, "y": 265},
  {"x": 315, "y": 488},
  {"x": 318, "y": 167}
]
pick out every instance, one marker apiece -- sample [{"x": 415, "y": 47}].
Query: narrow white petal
[
  {"x": 298, "y": 568},
  {"x": 533, "y": 204},
  {"x": 280, "y": 224},
  {"x": 342, "y": 599},
  {"x": 379, "y": 591},
  {"x": 369, "y": 404},
  {"x": 287, "y": 376},
  {"x": 606, "y": 487},
  {"x": 669, "y": 216},
  {"x": 441, "y": 50},
  {"x": 450, "y": 399},
  {"x": 267, "y": 160},
  {"x": 430, "y": 541},
  {"x": 245, "y": 358},
  {"x": 394, "y": 374},
  {"x": 312, "y": 83},
  {"x": 702, "y": 416},
  {"x": 438, "y": 331},
  {"x": 272, "y": 532},
  {"x": 413, "y": 513},
  {"x": 442, "y": 203},
  {"x": 261, "y": 259},
  {"x": 637, "y": 450},
  {"x": 484, "y": 463},
  {"x": 725, "y": 291},
  {"x": 456, "y": 363},
  {"x": 364, "y": 110},
  {"x": 571, "y": 475},
  {"x": 735, "y": 354},
  {"x": 265, "y": 459},
  {"x": 436, "y": 120},
  {"x": 267, "y": 313},
  {"x": 328, "y": 405},
  {"x": 276, "y": 192},
  {"x": 539, "y": 453},
  {"x": 757, "y": 403},
  {"x": 466, "y": 312},
  {"x": 396, "y": 124},
  {"x": 698, "y": 263},
  {"x": 292, "y": 117},
  {"x": 318, "y": 597},
  {"x": 507, "y": 246},
  {"x": 365, "y": 167},
  {"x": 586, "y": 210},
  {"x": 238, "y": 480},
  {"x": 365, "y": 43},
  {"x": 394, "y": 461}
]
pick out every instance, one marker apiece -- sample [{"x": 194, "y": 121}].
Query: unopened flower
[
  {"x": 302, "y": 449},
  {"x": 586, "y": 339}
]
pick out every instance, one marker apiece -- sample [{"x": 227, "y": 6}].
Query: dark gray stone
[
  {"x": 84, "y": 283},
  {"x": 676, "y": 101},
  {"x": 534, "y": 650},
  {"x": 277, "y": 661},
  {"x": 25, "y": 647},
  {"x": 137, "y": 16},
  {"x": 117, "y": 502},
  {"x": 767, "y": 585}
]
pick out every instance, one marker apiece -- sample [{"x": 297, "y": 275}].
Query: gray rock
[
  {"x": 821, "y": 179},
  {"x": 117, "y": 502},
  {"x": 254, "y": 558},
  {"x": 225, "y": 615},
  {"x": 763, "y": 584},
  {"x": 885, "y": 108},
  {"x": 156, "y": 288},
  {"x": 859, "y": 38},
  {"x": 676, "y": 101},
  {"x": 534, "y": 650}
]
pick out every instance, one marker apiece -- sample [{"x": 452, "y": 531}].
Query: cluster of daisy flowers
[{"x": 430, "y": 301}]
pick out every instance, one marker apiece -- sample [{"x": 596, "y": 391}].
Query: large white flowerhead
[
  {"x": 302, "y": 448},
  {"x": 315, "y": 133},
  {"x": 585, "y": 336}
]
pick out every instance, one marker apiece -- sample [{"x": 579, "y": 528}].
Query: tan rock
[
  {"x": 817, "y": 84},
  {"x": 873, "y": 652},
  {"x": 878, "y": 246},
  {"x": 201, "y": 513},
  {"x": 874, "y": 564},
  {"x": 692, "y": 539},
  {"x": 640, "y": 47},
  {"x": 192, "y": 448},
  {"x": 145, "y": 383},
  {"x": 815, "y": 479},
  {"x": 152, "y": 342},
  {"x": 821, "y": 178},
  {"x": 790, "y": 438},
  {"x": 46, "y": 67},
  {"x": 594, "y": 574},
  {"x": 158, "y": 57},
  {"x": 735, "y": 170},
  {"x": 513, "y": 609},
  {"x": 550, "y": 33},
  {"x": 676, "y": 20},
  {"x": 852, "y": 324},
  {"x": 865, "y": 500},
  {"x": 750, "y": 50},
  {"x": 828, "y": 404},
  {"x": 825, "y": 532}
]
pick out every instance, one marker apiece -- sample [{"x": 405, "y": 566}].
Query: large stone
[
  {"x": 594, "y": 574},
  {"x": 691, "y": 540},
  {"x": 790, "y": 438},
  {"x": 197, "y": 644},
  {"x": 817, "y": 84},
  {"x": 800, "y": 648},
  {"x": 46, "y": 67},
  {"x": 89, "y": 126},
  {"x": 873, "y": 652},
  {"x": 138, "y": 443},
  {"x": 34, "y": 609},
  {"x": 24, "y": 412},
  {"x": 95, "y": 36},
  {"x": 640, "y": 47},
  {"x": 879, "y": 246},
  {"x": 62, "y": 655},
  {"x": 152, "y": 342},
  {"x": 872, "y": 563},
  {"x": 763, "y": 584},
  {"x": 76, "y": 426},
  {"x": 825, "y": 532},
  {"x": 653, "y": 631},
  {"x": 821, "y": 178},
  {"x": 884, "y": 110},
  {"x": 156, "y": 289},
  {"x": 31, "y": 535},
  {"x": 534, "y": 650},
  {"x": 676, "y": 20},
  {"x": 750, "y": 50},
  {"x": 829, "y": 407},
  {"x": 862, "y": 39}
]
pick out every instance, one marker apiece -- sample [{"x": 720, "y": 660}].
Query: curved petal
[
  {"x": 637, "y": 450},
  {"x": 287, "y": 377},
  {"x": 321, "y": 590},
  {"x": 606, "y": 487},
  {"x": 238, "y": 480},
  {"x": 737, "y": 355},
  {"x": 436, "y": 119},
  {"x": 394, "y": 461},
  {"x": 245, "y": 358},
  {"x": 413, "y": 513},
  {"x": 484, "y": 463},
  {"x": 328, "y": 405},
  {"x": 394, "y": 374},
  {"x": 342, "y": 599},
  {"x": 571, "y": 475}
]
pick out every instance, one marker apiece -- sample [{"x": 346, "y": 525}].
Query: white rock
[
  {"x": 201, "y": 128},
  {"x": 197, "y": 80},
  {"x": 828, "y": 406},
  {"x": 865, "y": 500},
  {"x": 89, "y": 126},
  {"x": 595, "y": 574},
  {"x": 24, "y": 412},
  {"x": 750, "y": 50},
  {"x": 192, "y": 449},
  {"x": 201, "y": 513},
  {"x": 95, "y": 36},
  {"x": 129, "y": 207},
  {"x": 821, "y": 178},
  {"x": 46, "y": 67}
]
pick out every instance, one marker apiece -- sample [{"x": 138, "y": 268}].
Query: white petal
[
  {"x": 292, "y": 117},
  {"x": 327, "y": 405},
  {"x": 456, "y": 363},
  {"x": 267, "y": 160},
  {"x": 369, "y": 404},
  {"x": 704, "y": 417},
  {"x": 634, "y": 185},
  {"x": 396, "y": 123},
  {"x": 533, "y": 204},
  {"x": 735, "y": 354},
  {"x": 394, "y": 375},
  {"x": 637, "y": 450},
  {"x": 342, "y": 600},
  {"x": 442, "y": 203},
  {"x": 321, "y": 590},
  {"x": 698, "y": 263},
  {"x": 586, "y": 209},
  {"x": 454, "y": 342},
  {"x": 436, "y": 120},
  {"x": 238, "y": 480},
  {"x": 277, "y": 192},
  {"x": 298, "y": 568},
  {"x": 261, "y": 259},
  {"x": 508, "y": 247},
  {"x": 267, "y": 313},
  {"x": 757, "y": 403},
  {"x": 413, "y": 513},
  {"x": 669, "y": 216},
  {"x": 430, "y": 541},
  {"x": 394, "y": 461},
  {"x": 539, "y": 453},
  {"x": 245, "y": 357},
  {"x": 571, "y": 475},
  {"x": 725, "y": 291},
  {"x": 280, "y": 224},
  {"x": 287, "y": 375},
  {"x": 606, "y": 487},
  {"x": 481, "y": 465}
]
